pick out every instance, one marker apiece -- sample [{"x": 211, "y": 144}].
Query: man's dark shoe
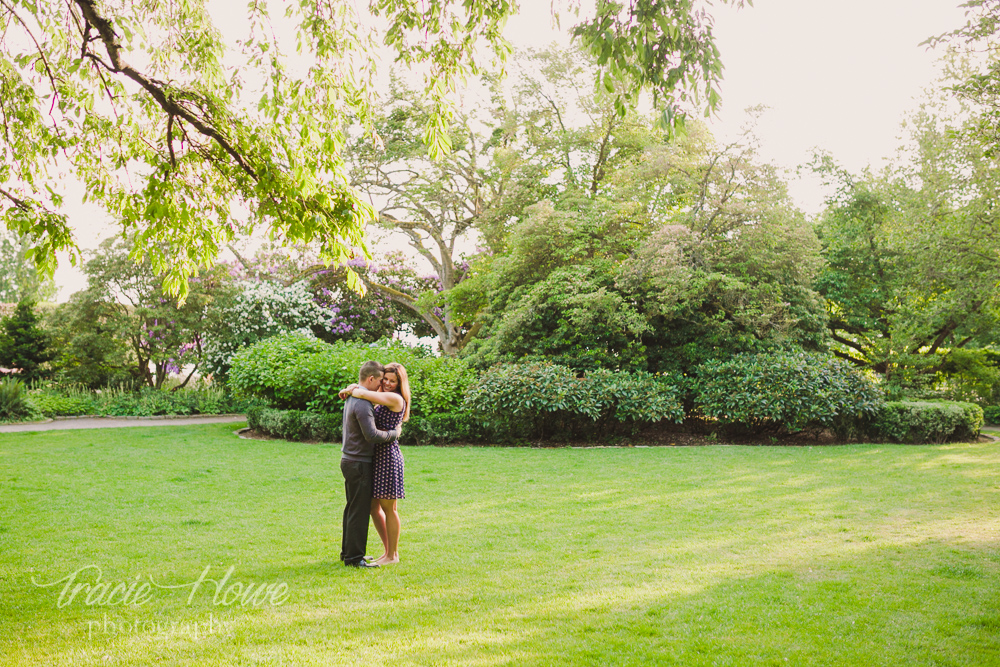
[{"x": 362, "y": 563}]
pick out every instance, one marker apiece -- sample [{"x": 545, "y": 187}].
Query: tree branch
[
  {"x": 170, "y": 139},
  {"x": 405, "y": 299},
  {"x": 848, "y": 342},
  {"x": 156, "y": 89},
  {"x": 41, "y": 54},
  {"x": 471, "y": 333},
  {"x": 184, "y": 384},
  {"x": 857, "y": 362},
  {"x": 20, "y": 203}
]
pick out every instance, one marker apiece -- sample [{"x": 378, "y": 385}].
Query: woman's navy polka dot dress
[{"x": 387, "y": 464}]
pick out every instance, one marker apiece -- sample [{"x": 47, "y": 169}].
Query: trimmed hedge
[
  {"x": 264, "y": 369},
  {"x": 508, "y": 402},
  {"x": 748, "y": 394},
  {"x": 991, "y": 414},
  {"x": 753, "y": 394},
  {"x": 916, "y": 422},
  {"x": 294, "y": 424},
  {"x": 545, "y": 400},
  {"x": 300, "y": 373},
  {"x": 443, "y": 428}
]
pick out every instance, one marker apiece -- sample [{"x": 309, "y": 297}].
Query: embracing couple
[{"x": 371, "y": 461}]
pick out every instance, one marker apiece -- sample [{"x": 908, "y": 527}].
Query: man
[{"x": 358, "y": 446}]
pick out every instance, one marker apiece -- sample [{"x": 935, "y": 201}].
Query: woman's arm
[
  {"x": 389, "y": 399},
  {"x": 346, "y": 391}
]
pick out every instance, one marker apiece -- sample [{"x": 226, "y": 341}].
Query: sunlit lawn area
[{"x": 849, "y": 555}]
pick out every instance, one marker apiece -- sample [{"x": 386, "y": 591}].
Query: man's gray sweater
[{"x": 360, "y": 435}]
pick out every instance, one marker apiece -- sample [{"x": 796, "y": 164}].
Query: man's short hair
[{"x": 370, "y": 369}]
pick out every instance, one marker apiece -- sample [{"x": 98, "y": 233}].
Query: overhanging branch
[{"x": 156, "y": 89}]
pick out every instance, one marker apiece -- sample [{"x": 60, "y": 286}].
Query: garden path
[{"x": 119, "y": 422}]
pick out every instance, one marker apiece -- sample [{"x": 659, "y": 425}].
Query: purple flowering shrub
[{"x": 375, "y": 315}]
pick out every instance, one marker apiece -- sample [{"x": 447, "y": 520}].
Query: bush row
[
  {"x": 548, "y": 401},
  {"x": 747, "y": 395},
  {"x": 924, "y": 421},
  {"x": 450, "y": 402},
  {"x": 294, "y": 424},
  {"x": 794, "y": 391}
]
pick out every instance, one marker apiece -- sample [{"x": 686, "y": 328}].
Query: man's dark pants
[{"x": 358, "y": 483}]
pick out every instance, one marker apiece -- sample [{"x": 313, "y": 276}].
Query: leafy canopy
[{"x": 192, "y": 141}]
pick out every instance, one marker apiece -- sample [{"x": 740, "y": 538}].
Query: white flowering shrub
[{"x": 259, "y": 310}]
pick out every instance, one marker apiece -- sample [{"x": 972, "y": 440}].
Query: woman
[{"x": 392, "y": 405}]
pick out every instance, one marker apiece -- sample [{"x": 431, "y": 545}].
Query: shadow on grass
[
  {"x": 927, "y": 604},
  {"x": 742, "y": 556}
]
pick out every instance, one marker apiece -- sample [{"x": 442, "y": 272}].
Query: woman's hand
[{"x": 347, "y": 391}]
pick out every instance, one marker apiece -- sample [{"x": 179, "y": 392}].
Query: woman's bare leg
[
  {"x": 392, "y": 528},
  {"x": 378, "y": 518}
]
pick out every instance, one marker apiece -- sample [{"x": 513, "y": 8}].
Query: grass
[{"x": 849, "y": 555}]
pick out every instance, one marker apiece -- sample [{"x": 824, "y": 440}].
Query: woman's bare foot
[{"x": 385, "y": 560}]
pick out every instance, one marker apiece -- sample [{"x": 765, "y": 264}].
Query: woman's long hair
[{"x": 403, "y": 387}]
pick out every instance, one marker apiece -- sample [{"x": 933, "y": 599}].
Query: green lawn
[{"x": 852, "y": 555}]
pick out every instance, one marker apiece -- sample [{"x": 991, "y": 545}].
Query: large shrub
[
  {"x": 752, "y": 394},
  {"x": 264, "y": 369},
  {"x": 298, "y": 373},
  {"x": 89, "y": 350},
  {"x": 918, "y": 422},
  {"x": 545, "y": 400},
  {"x": 13, "y": 400},
  {"x": 439, "y": 385},
  {"x": 991, "y": 414}
]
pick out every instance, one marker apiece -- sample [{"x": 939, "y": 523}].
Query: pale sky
[
  {"x": 835, "y": 75},
  {"x": 838, "y": 76}
]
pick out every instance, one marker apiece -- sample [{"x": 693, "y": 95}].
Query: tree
[
  {"x": 911, "y": 253},
  {"x": 89, "y": 348},
  {"x": 728, "y": 264},
  {"x": 689, "y": 251},
  {"x": 437, "y": 204},
  {"x": 246, "y": 311},
  {"x": 546, "y": 136},
  {"x": 976, "y": 74},
  {"x": 19, "y": 279},
  {"x": 137, "y": 101},
  {"x": 23, "y": 344},
  {"x": 132, "y": 304},
  {"x": 351, "y": 316},
  {"x": 375, "y": 315}
]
